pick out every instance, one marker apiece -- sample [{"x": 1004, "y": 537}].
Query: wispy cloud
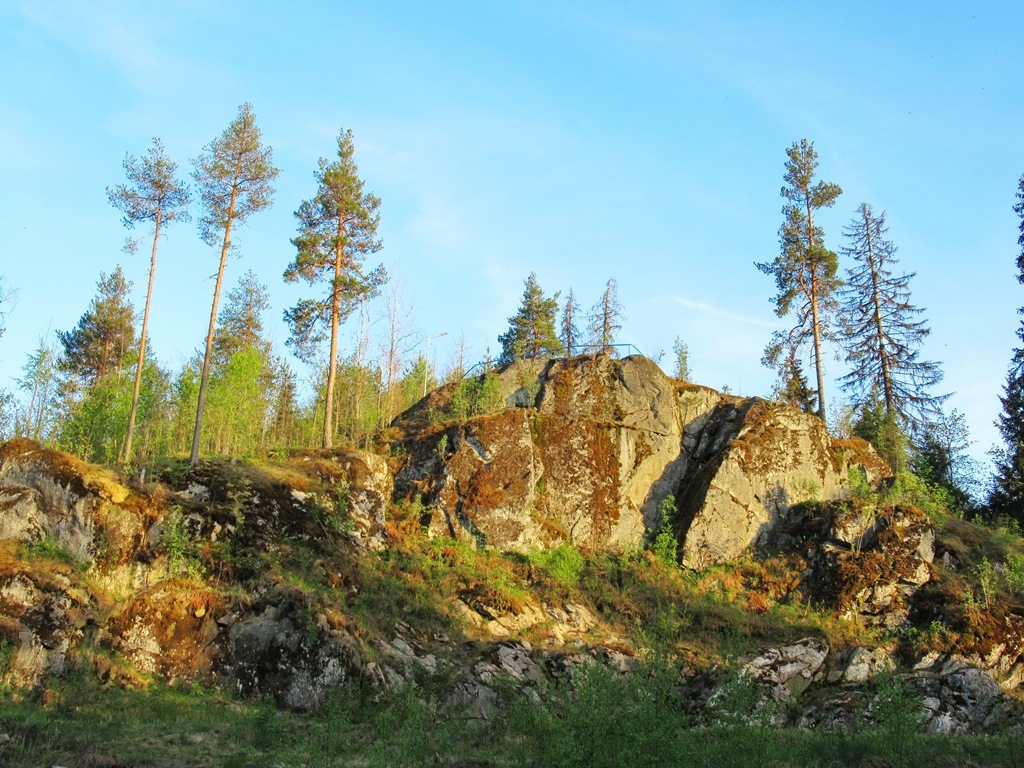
[
  {"x": 709, "y": 309},
  {"x": 116, "y": 33}
]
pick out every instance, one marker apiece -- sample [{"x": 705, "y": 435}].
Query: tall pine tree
[
  {"x": 881, "y": 336},
  {"x": 234, "y": 176},
  {"x": 804, "y": 270},
  {"x": 153, "y": 195},
  {"x": 1007, "y": 497},
  {"x": 531, "y": 331},
  {"x": 337, "y": 230}
]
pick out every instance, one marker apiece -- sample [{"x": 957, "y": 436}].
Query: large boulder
[{"x": 585, "y": 449}]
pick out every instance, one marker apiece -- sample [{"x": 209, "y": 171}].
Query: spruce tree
[
  {"x": 606, "y": 317},
  {"x": 337, "y": 230},
  {"x": 804, "y": 270},
  {"x": 234, "y": 176},
  {"x": 941, "y": 458},
  {"x": 155, "y": 196},
  {"x": 99, "y": 345},
  {"x": 240, "y": 323},
  {"x": 793, "y": 388},
  {"x": 1007, "y": 497},
  {"x": 569, "y": 330},
  {"x": 531, "y": 330},
  {"x": 880, "y": 333}
]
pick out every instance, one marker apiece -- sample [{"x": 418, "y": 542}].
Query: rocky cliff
[{"x": 496, "y": 545}]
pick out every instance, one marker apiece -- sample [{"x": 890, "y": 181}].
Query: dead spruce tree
[
  {"x": 606, "y": 317},
  {"x": 882, "y": 332}
]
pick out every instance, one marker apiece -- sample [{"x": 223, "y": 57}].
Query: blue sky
[{"x": 580, "y": 140}]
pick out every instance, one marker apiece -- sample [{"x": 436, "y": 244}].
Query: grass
[{"x": 603, "y": 719}]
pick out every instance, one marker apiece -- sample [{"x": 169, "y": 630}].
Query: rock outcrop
[{"x": 586, "y": 449}]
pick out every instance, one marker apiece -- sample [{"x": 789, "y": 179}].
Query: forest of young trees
[{"x": 98, "y": 391}]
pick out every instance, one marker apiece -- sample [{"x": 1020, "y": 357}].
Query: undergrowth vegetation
[{"x": 598, "y": 719}]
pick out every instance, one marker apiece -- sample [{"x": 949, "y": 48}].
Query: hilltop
[{"x": 506, "y": 538}]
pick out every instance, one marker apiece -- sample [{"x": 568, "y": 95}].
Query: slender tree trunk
[
  {"x": 204, "y": 380},
  {"x": 328, "y": 441},
  {"x": 126, "y": 450},
  {"x": 819, "y": 367},
  {"x": 883, "y": 357}
]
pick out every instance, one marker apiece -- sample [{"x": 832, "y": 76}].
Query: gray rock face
[
  {"x": 788, "y": 671},
  {"x": 860, "y": 562},
  {"x": 597, "y": 444},
  {"x": 48, "y": 495}
]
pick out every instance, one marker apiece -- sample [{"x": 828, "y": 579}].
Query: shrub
[
  {"x": 476, "y": 396},
  {"x": 564, "y": 564},
  {"x": 665, "y": 546}
]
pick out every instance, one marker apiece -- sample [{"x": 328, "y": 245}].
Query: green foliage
[
  {"x": 941, "y": 458},
  {"x": 337, "y": 230},
  {"x": 177, "y": 534},
  {"x": 681, "y": 359},
  {"x": 531, "y": 330},
  {"x": 476, "y": 396},
  {"x": 665, "y": 546},
  {"x": 899, "y": 714},
  {"x": 882, "y": 429},
  {"x": 1015, "y": 573},
  {"x": 1007, "y": 495},
  {"x": 564, "y": 564},
  {"x": 7, "y": 653},
  {"x": 986, "y": 575},
  {"x": 50, "y": 548},
  {"x": 102, "y": 343},
  {"x": 739, "y": 700},
  {"x": 602, "y": 717},
  {"x": 234, "y": 176}
]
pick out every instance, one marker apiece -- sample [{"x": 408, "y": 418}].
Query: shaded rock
[
  {"x": 789, "y": 670},
  {"x": 858, "y": 665},
  {"x": 754, "y": 461},
  {"x": 282, "y": 649},
  {"x": 861, "y": 561},
  {"x": 43, "y": 615}
]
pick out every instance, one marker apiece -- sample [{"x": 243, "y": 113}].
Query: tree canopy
[
  {"x": 531, "y": 331},
  {"x": 1007, "y": 495},
  {"x": 337, "y": 230},
  {"x": 882, "y": 334},
  {"x": 154, "y": 194}
]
